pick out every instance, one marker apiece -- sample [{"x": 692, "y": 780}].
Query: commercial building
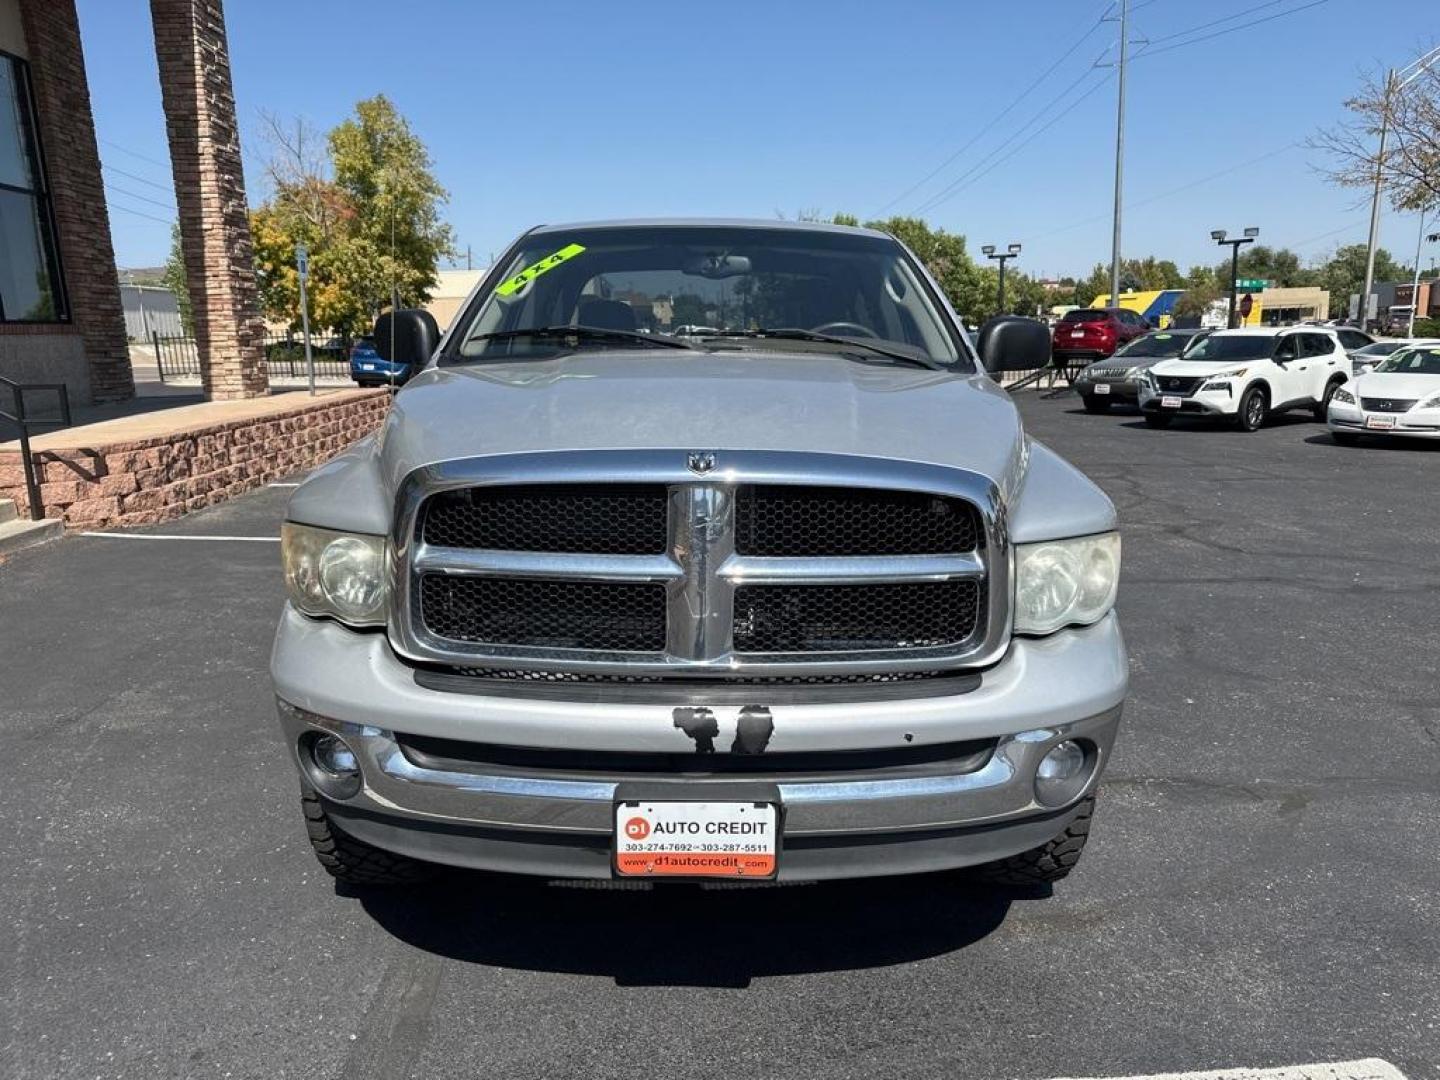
[{"x": 61, "y": 314}]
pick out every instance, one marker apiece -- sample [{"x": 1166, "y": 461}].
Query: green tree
[
  {"x": 1344, "y": 273},
  {"x": 174, "y": 279},
  {"x": 367, "y": 207},
  {"x": 1279, "y": 266}
]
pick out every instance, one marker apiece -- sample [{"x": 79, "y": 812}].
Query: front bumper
[
  {"x": 1218, "y": 402},
  {"x": 1352, "y": 419},
  {"x": 557, "y": 822},
  {"x": 1124, "y": 390}
]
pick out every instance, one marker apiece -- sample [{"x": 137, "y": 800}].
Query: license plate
[
  {"x": 1169, "y": 402},
  {"x": 1380, "y": 423},
  {"x": 696, "y": 839},
  {"x": 367, "y": 367},
  {"x": 1077, "y": 333},
  {"x": 1101, "y": 388}
]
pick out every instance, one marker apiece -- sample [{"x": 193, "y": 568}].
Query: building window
[{"x": 30, "y": 286}]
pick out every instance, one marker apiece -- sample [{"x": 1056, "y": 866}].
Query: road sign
[
  {"x": 1250, "y": 283},
  {"x": 302, "y": 260},
  {"x": 1247, "y": 305}
]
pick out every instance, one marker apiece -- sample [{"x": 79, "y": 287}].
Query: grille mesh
[
  {"x": 618, "y": 519},
  {"x": 1178, "y": 384},
  {"x": 1395, "y": 405},
  {"x": 854, "y": 618},
  {"x": 523, "y": 675},
  {"x": 783, "y": 521},
  {"x": 544, "y": 614}
]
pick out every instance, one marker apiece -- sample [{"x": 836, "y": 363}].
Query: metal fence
[{"x": 178, "y": 356}]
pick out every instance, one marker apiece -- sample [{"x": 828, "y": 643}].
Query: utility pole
[
  {"x": 1119, "y": 152},
  {"x": 1375, "y": 202},
  {"x": 1415, "y": 282}
]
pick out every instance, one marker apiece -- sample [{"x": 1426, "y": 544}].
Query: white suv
[{"x": 1247, "y": 374}]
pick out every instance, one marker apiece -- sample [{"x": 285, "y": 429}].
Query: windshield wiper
[
  {"x": 590, "y": 333},
  {"x": 787, "y": 333}
]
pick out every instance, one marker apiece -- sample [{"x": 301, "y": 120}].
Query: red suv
[{"x": 1094, "y": 333}]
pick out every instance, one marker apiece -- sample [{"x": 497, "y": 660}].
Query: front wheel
[
  {"x": 1253, "y": 409},
  {"x": 1047, "y": 863},
  {"x": 1095, "y": 404},
  {"x": 354, "y": 861},
  {"x": 1158, "y": 419}
]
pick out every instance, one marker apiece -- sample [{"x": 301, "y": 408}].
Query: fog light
[
  {"x": 1063, "y": 773},
  {"x": 334, "y": 756},
  {"x": 331, "y": 765}
]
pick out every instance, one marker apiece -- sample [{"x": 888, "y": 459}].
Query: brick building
[{"x": 61, "y": 318}]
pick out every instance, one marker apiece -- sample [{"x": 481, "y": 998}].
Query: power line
[
  {"x": 136, "y": 154},
  {"x": 113, "y": 205},
  {"x": 1231, "y": 29},
  {"x": 956, "y": 188},
  {"x": 1034, "y": 85},
  {"x": 1216, "y": 22},
  {"x": 140, "y": 179},
  {"x": 955, "y": 185},
  {"x": 142, "y": 198}
]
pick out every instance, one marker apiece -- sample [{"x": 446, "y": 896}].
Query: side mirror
[
  {"x": 1014, "y": 343},
  {"x": 408, "y": 336}
]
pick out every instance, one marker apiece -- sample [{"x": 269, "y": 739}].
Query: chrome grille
[
  {"x": 854, "y": 618},
  {"x": 621, "y": 519},
  {"x": 796, "y": 522},
  {"x": 1395, "y": 405},
  {"x": 1179, "y": 384},
  {"x": 544, "y": 614},
  {"x": 859, "y": 567}
]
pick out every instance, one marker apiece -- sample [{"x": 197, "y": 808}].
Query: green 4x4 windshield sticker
[{"x": 530, "y": 273}]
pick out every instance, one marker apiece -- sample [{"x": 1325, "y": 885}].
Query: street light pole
[
  {"x": 1001, "y": 257},
  {"x": 1218, "y": 235},
  {"x": 1415, "y": 282},
  {"x": 1119, "y": 152}
]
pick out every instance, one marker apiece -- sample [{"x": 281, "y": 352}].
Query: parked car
[
  {"x": 1364, "y": 359},
  {"x": 1245, "y": 375},
  {"x": 1094, "y": 333},
  {"x": 602, "y": 604},
  {"x": 1400, "y": 397},
  {"x": 1117, "y": 379},
  {"x": 369, "y": 368}
]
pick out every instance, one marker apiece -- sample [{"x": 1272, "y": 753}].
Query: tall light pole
[
  {"x": 1119, "y": 152},
  {"x": 1001, "y": 257},
  {"x": 1394, "y": 82},
  {"x": 1415, "y": 282},
  {"x": 1218, "y": 235}
]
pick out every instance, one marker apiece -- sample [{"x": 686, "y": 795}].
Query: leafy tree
[
  {"x": 368, "y": 209},
  {"x": 1279, "y": 266},
  {"x": 1411, "y": 163},
  {"x": 1196, "y": 301},
  {"x": 1344, "y": 273},
  {"x": 173, "y": 278}
]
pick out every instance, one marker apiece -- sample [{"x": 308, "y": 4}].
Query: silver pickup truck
[{"x": 701, "y": 550}]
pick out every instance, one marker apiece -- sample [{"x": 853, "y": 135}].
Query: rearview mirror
[
  {"x": 717, "y": 264},
  {"x": 409, "y": 336},
  {"x": 1014, "y": 343}
]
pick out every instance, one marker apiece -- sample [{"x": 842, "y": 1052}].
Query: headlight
[
  {"x": 1063, "y": 582},
  {"x": 1432, "y": 402},
  {"x": 1342, "y": 395},
  {"x": 1134, "y": 372},
  {"x": 1218, "y": 379},
  {"x": 335, "y": 573}
]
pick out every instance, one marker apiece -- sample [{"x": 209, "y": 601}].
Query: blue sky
[{"x": 553, "y": 111}]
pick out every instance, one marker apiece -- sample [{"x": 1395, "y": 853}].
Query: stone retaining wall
[{"x": 145, "y": 481}]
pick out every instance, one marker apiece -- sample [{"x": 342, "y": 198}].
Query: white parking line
[
  {"x": 1364, "y": 1069},
  {"x": 179, "y": 536}
]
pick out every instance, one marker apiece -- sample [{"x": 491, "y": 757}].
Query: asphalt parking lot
[{"x": 1262, "y": 887}]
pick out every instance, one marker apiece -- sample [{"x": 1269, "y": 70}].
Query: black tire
[
  {"x": 1047, "y": 863},
  {"x": 1095, "y": 404},
  {"x": 1345, "y": 438},
  {"x": 1322, "y": 406},
  {"x": 354, "y": 861},
  {"x": 1158, "y": 419},
  {"x": 1254, "y": 410}
]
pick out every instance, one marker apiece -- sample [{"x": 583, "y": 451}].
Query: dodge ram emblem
[{"x": 700, "y": 462}]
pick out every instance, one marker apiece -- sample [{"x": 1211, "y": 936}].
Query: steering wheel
[{"x": 844, "y": 329}]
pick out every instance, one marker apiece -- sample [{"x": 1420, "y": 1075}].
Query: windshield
[
  {"x": 1084, "y": 315},
  {"x": 1411, "y": 361},
  {"x": 706, "y": 287},
  {"x": 1156, "y": 345},
  {"x": 1380, "y": 348},
  {"x": 1231, "y": 347}
]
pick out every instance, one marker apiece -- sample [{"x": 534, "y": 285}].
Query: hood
[
  {"x": 1399, "y": 386},
  {"x": 667, "y": 399},
  {"x": 1197, "y": 368}
]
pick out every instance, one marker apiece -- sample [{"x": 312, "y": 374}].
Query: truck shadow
[{"x": 683, "y": 935}]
